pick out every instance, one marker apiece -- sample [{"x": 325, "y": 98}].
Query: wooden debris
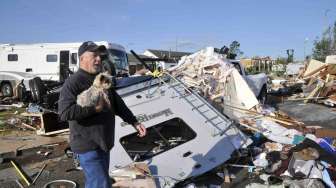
[
  {"x": 28, "y": 126},
  {"x": 321, "y": 81}
]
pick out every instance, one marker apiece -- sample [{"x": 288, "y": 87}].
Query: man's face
[{"x": 91, "y": 62}]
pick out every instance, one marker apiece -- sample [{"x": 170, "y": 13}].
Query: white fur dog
[{"x": 100, "y": 86}]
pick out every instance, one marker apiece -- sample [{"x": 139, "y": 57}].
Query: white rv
[{"x": 50, "y": 61}]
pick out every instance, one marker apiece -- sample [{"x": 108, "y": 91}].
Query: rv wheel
[
  {"x": 37, "y": 89},
  {"x": 7, "y": 89},
  {"x": 32, "y": 90}
]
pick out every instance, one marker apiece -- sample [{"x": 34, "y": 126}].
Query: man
[{"x": 92, "y": 128}]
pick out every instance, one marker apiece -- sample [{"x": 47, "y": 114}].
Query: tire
[
  {"x": 37, "y": 89},
  {"x": 32, "y": 90},
  {"x": 262, "y": 97},
  {"x": 6, "y": 89},
  {"x": 22, "y": 93}
]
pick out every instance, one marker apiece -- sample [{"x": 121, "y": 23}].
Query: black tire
[
  {"x": 32, "y": 90},
  {"x": 7, "y": 89},
  {"x": 262, "y": 97},
  {"x": 22, "y": 92},
  {"x": 39, "y": 89}
]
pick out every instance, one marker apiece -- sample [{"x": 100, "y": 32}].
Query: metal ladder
[{"x": 198, "y": 103}]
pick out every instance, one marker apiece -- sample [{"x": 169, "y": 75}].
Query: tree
[
  {"x": 327, "y": 45},
  {"x": 281, "y": 60},
  {"x": 290, "y": 55},
  {"x": 234, "y": 50}
]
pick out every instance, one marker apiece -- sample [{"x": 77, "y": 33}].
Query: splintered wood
[
  {"x": 321, "y": 82},
  {"x": 215, "y": 78}
]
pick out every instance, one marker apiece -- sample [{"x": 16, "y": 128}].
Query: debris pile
[
  {"x": 321, "y": 81},
  {"x": 290, "y": 153},
  {"x": 284, "y": 153},
  {"x": 134, "y": 175},
  {"x": 216, "y": 79},
  {"x": 206, "y": 71}
]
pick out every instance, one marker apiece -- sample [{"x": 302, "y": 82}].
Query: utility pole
[{"x": 326, "y": 17}]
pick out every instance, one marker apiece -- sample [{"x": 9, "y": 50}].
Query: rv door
[{"x": 64, "y": 65}]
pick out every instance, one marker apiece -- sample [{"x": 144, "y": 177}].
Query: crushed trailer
[{"x": 186, "y": 136}]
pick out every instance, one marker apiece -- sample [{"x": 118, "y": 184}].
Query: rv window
[
  {"x": 74, "y": 58},
  {"x": 13, "y": 57},
  {"x": 160, "y": 138},
  {"x": 51, "y": 58}
]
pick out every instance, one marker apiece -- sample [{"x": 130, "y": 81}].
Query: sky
[{"x": 263, "y": 27}]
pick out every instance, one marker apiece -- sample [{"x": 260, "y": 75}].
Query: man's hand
[
  {"x": 141, "y": 129},
  {"x": 100, "y": 104}
]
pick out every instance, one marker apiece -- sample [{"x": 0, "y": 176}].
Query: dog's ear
[
  {"x": 102, "y": 78},
  {"x": 107, "y": 73}
]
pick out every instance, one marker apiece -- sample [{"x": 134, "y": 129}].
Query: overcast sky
[{"x": 263, "y": 27}]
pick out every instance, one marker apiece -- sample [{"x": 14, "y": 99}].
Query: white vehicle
[
  {"x": 186, "y": 136},
  {"x": 10, "y": 79},
  {"x": 257, "y": 82},
  {"x": 50, "y": 61}
]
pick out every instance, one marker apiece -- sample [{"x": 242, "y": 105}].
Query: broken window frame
[{"x": 157, "y": 139}]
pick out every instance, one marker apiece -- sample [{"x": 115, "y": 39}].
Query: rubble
[
  {"x": 210, "y": 74},
  {"x": 135, "y": 175},
  {"x": 320, "y": 81},
  {"x": 285, "y": 152},
  {"x": 215, "y": 77}
]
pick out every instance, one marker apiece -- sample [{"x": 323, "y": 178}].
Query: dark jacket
[{"x": 90, "y": 130}]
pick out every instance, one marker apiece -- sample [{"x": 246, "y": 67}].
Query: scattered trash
[
  {"x": 19, "y": 183},
  {"x": 135, "y": 175},
  {"x": 21, "y": 173},
  {"x": 38, "y": 175},
  {"x": 44, "y": 153},
  {"x": 61, "y": 183},
  {"x": 284, "y": 152},
  {"x": 18, "y": 151},
  {"x": 273, "y": 146},
  {"x": 13, "y": 121},
  {"x": 34, "y": 108}
]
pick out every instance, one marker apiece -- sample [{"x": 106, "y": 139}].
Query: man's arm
[
  {"x": 126, "y": 114},
  {"x": 68, "y": 109},
  {"x": 122, "y": 110}
]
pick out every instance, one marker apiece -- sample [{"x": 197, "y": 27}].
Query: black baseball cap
[{"x": 90, "y": 47}]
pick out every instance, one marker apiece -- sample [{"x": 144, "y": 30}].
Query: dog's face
[{"x": 103, "y": 81}]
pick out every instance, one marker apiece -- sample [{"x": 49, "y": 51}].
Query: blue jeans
[{"x": 95, "y": 165}]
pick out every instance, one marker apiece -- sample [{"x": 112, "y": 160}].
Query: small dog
[{"x": 100, "y": 86}]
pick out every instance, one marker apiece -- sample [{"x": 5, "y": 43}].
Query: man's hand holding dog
[
  {"x": 100, "y": 104},
  {"x": 141, "y": 129}
]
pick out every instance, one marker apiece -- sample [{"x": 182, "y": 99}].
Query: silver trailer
[{"x": 186, "y": 136}]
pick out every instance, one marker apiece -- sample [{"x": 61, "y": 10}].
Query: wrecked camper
[{"x": 182, "y": 128}]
